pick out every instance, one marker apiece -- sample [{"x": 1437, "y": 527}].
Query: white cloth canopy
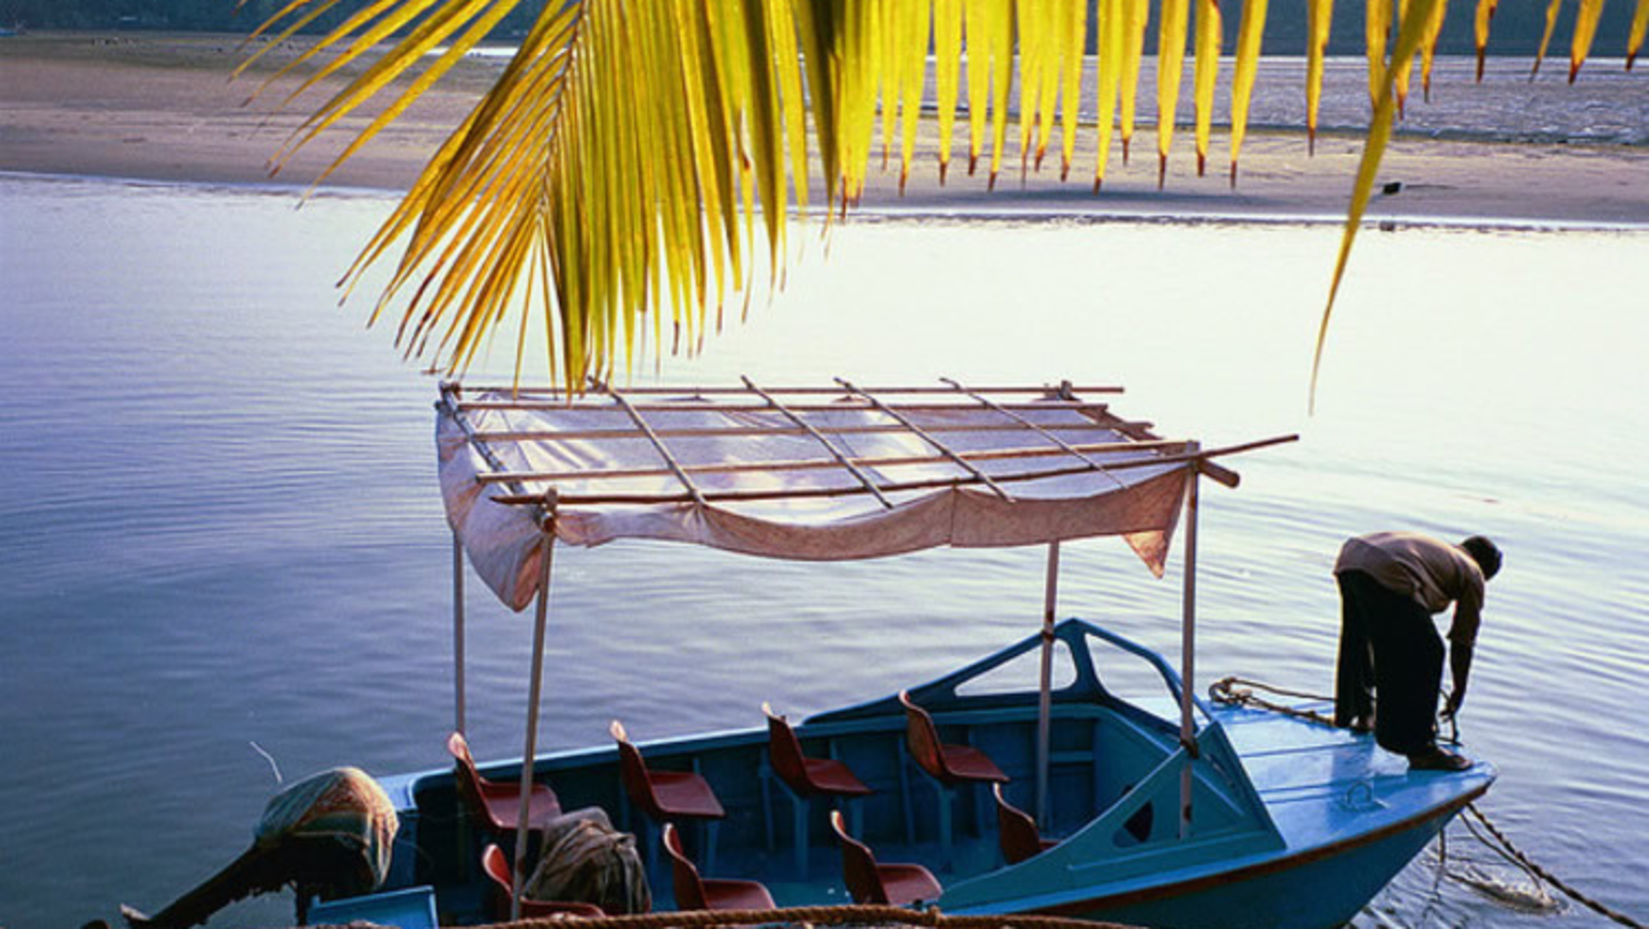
[{"x": 786, "y": 476}]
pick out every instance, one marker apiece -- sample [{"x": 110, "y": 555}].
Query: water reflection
[{"x": 223, "y": 527}]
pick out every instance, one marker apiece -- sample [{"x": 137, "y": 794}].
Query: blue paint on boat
[{"x": 1293, "y": 824}]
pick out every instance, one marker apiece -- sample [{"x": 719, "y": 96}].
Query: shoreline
[
  {"x": 159, "y": 107},
  {"x": 895, "y": 213}
]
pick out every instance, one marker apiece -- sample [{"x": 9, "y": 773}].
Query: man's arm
[{"x": 1460, "y": 666}]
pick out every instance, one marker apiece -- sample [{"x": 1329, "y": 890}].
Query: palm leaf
[
  {"x": 1113, "y": 26},
  {"x": 947, "y": 73},
  {"x": 1410, "y": 34},
  {"x": 1640, "y": 25},
  {"x": 1075, "y": 30},
  {"x": 1428, "y": 46},
  {"x": 1480, "y": 31},
  {"x": 1552, "y": 9},
  {"x": 1205, "y": 74},
  {"x": 638, "y": 159},
  {"x": 1319, "y": 16},
  {"x": 1634, "y": 42},
  {"x": 1138, "y": 16},
  {"x": 1377, "y": 30},
  {"x": 1585, "y": 30},
  {"x": 1171, "y": 30},
  {"x": 1249, "y": 33}
]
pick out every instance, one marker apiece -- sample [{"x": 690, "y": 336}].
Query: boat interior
[{"x": 923, "y": 795}]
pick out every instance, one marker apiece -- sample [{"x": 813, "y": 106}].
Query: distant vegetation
[
  {"x": 191, "y": 15},
  {"x": 1517, "y": 24}
]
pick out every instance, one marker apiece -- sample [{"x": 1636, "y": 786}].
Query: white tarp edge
[{"x": 503, "y": 542}]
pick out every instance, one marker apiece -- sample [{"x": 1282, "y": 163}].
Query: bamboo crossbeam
[
  {"x": 789, "y": 391},
  {"x": 727, "y": 432},
  {"x": 728, "y": 496},
  {"x": 830, "y": 446},
  {"x": 992, "y": 405},
  {"x": 691, "y": 406},
  {"x": 809, "y": 464},
  {"x": 942, "y": 447},
  {"x": 658, "y": 443}
]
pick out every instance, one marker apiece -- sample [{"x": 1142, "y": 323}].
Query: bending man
[{"x": 1391, "y": 583}]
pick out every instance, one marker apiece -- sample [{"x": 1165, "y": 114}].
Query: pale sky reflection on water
[{"x": 224, "y": 528}]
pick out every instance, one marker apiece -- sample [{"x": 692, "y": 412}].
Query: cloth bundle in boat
[{"x": 586, "y": 860}]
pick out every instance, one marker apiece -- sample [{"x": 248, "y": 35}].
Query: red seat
[
  {"x": 664, "y": 795},
  {"x": 870, "y": 882},
  {"x": 697, "y": 893},
  {"x": 498, "y": 869},
  {"x": 950, "y": 764},
  {"x": 497, "y": 804},
  {"x": 807, "y": 776},
  {"x": 1016, "y": 831}
]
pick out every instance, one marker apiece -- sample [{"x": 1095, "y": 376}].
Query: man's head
[{"x": 1485, "y": 553}]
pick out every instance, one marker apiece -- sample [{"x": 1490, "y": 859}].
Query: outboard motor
[{"x": 329, "y": 835}]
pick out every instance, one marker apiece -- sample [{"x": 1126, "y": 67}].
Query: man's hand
[{"x": 1452, "y": 705}]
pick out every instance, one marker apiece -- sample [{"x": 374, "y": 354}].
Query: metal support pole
[
  {"x": 1044, "y": 720},
  {"x": 1188, "y": 649},
  {"x": 458, "y": 631},
  {"x": 535, "y": 689}
]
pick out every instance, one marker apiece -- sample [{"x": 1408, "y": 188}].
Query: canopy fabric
[{"x": 826, "y": 474}]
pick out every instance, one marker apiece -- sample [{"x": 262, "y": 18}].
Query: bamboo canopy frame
[{"x": 1001, "y": 446}]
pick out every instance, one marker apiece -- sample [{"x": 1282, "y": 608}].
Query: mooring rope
[
  {"x": 1550, "y": 878},
  {"x": 856, "y": 915},
  {"x": 1239, "y": 691}
]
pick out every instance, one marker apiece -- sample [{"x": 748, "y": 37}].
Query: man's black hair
[{"x": 1485, "y": 553}]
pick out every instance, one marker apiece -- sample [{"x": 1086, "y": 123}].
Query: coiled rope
[
  {"x": 1237, "y": 691},
  {"x": 857, "y": 915}
]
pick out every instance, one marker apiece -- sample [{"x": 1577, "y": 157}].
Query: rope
[
  {"x": 859, "y": 915},
  {"x": 1239, "y": 691},
  {"x": 1549, "y": 877}
]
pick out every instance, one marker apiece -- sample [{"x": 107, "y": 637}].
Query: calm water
[{"x": 222, "y": 535}]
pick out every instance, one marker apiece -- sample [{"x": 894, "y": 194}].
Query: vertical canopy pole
[
  {"x": 1188, "y": 648},
  {"x": 457, "y": 631},
  {"x": 535, "y": 687},
  {"x": 1044, "y": 718}
]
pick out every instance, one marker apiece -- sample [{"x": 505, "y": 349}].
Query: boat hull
[{"x": 1318, "y": 889}]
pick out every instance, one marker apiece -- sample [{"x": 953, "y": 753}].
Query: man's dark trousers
[{"x": 1388, "y": 645}]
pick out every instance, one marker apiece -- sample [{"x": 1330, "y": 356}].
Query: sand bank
[{"x": 161, "y": 107}]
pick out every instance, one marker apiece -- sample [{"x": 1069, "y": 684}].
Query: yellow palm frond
[
  {"x": 1171, "y": 30},
  {"x": 1552, "y": 9},
  {"x": 1249, "y": 33},
  {"x": 1410, "y": 34},
  {"x": 1480, "y": 31},
  {"x": 1319, "y": 15},
  {"x": 1113, "y": 62},
  {"x": 1137, "y": 14},
  {"x": 1205, "y": 74},
  {"x": 1585, "y": 30},
  {"x": 1640, "y": 25},
  {"x": 636, "y": 162}
]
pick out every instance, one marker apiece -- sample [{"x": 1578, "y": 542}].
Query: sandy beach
[{"x": 161, "y": 107}]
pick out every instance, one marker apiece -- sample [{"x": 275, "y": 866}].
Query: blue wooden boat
[
  {"x": 1293, "y": 825},
  {"x": 1158, "y": 811}
]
